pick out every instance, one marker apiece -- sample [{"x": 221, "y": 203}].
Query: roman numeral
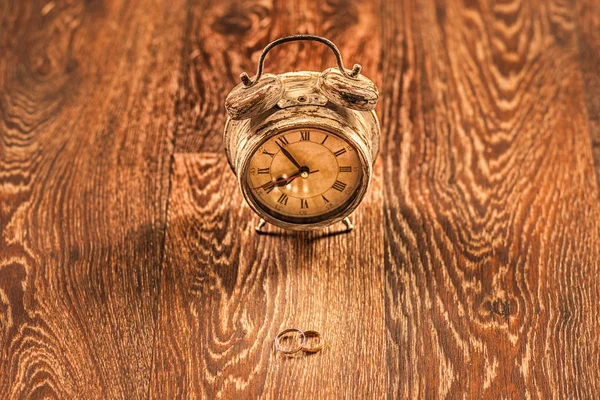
[
  {"x": 267, "y": 153},
  {"x": 283, "y": 140},
  {"x": 340, "y": 152},
  {"x": 263, "y": 170},
  {"x": 303, "y": 203},
  {"x": 323, "y": 142},
  {"x": 342, "y": 169},
  {"x": 304, "y": 135},
  {"x": 339, "y": 186},
  {"x": 325, "y": 199},
  {"x": 283, "y": 199}
]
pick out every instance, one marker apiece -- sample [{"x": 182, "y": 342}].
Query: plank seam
[{"x": 173, "y": 143}]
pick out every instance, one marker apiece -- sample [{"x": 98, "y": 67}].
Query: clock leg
[
  {"x": 260, "y": 225},
  {"x": 346, "y": 221}
]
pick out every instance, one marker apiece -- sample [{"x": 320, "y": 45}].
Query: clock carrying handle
[{"x": 352, "y": 74}]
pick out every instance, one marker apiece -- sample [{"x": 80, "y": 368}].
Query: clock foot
[
  {"x": 260, "y": 225},
  {"x": 346, "y": 221}
]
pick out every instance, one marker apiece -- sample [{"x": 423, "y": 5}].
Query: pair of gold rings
[{"x": 301, "y": 344}]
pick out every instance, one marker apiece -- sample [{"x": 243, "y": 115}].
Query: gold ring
[
  {"x": 318, "y": 346},
  {"x": 295, "y": 349}
]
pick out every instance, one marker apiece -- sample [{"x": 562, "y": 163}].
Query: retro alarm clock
[{"x": 302, "y": 144}]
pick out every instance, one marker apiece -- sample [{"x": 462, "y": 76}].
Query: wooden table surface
[{"x": 129, "y": 267}]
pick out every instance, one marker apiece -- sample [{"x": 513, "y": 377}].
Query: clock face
[{"x": 304, "y": 175}]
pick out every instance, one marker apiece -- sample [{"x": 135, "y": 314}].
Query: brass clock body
[{"x": 302, "y": 157}]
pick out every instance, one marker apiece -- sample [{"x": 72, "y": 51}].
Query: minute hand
[{"x": 289, "y": 156}]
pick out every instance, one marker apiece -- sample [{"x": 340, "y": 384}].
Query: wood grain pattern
[
  {"x": 588, "y": 30},
  {"x": 226, "y": 37},
  {"x": 87, "y": 92},
  {"x": 492, "y": 226},
  {"x": 227, "y": 291},
  {"x": 473, "y": 271}
]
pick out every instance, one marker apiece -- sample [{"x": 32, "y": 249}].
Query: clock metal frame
[{"x": 302, "y": 106}]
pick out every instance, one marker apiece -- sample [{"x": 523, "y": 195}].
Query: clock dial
[{"x": 304, "y": 175}]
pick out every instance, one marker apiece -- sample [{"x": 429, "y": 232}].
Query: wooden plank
[
  {"x": 478, "y": 278},
  {"x": 588, "y": 30},
  {"x": 491, "y": 211},
  {"x": 226, "y": 291},
  {"x": 87, "y": 93},
  {"x": 226, "y": 38}
]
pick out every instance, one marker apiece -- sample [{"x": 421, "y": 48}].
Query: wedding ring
[
  {"x": 316, "y": 347},
  {"x": 301, "y": 342}
]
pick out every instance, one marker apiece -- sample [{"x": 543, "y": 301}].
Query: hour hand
[{"x": 289, "y": 156}]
